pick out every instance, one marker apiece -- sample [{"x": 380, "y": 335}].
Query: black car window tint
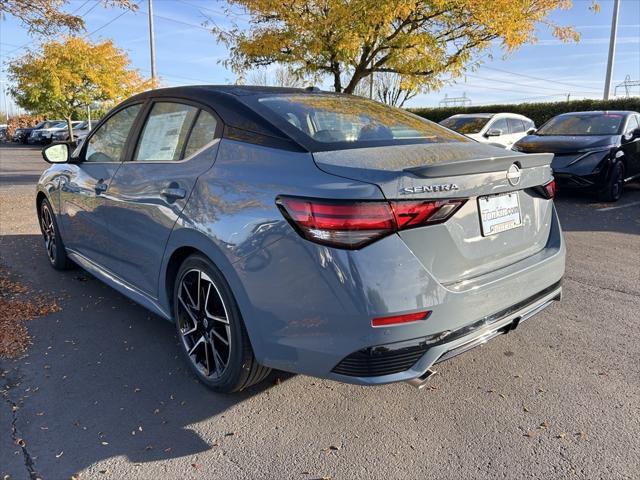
[
  {"x": 202, "y": 133},
  {"x": 107, "y": 143},
  {"x": 165, "y": 132}
]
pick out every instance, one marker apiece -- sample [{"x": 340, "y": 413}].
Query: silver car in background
[
  {"x": 316, "y": 233},
  {"x": 80, "y": 131}
]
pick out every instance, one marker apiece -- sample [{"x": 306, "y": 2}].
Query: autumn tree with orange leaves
[
  {"x": 426, "y": 42},
  {"x": 65, "y": 76}
]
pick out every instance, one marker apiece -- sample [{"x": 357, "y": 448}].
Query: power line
[
  {"x": 533, "y": 78},
  {"x": 90, "y": 9},
  {"x": 80, "y": 7},
  {"x": 543, "y": 89},
  {"x": 155, "y": 15},
  {"x": 108, "y": 23}
]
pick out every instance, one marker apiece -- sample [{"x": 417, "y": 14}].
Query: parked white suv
[{"x": 500, "y": 129}]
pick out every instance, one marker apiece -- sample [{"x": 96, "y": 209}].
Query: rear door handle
[
  {"x": 101, "y": 187},
  {"x": 172, "y": 193}
]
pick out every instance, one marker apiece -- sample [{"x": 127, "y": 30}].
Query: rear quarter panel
[{"x": 232, "y": 217}]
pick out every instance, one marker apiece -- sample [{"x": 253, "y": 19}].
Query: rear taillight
[
  {"x": 353, "y": 224},
  {"x": 549, "y": 189}
]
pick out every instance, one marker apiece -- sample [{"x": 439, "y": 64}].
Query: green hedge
[{"x": 538, "y": 112}]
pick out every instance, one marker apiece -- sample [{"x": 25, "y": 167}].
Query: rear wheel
[
  {"x": 52, "y": 240},
  {"x": 212, "y": 334},
  {"x": 612, "y": 191}
]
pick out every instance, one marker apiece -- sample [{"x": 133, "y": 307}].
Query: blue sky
[{"x": 187, "y": 53}]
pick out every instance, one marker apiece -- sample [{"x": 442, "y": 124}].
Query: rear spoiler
[{"x": 426, "y": 160}]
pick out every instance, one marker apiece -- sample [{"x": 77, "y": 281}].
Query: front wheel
[
  {"x": 612, "y": 191},
  {"x": 213, "y": 338}
]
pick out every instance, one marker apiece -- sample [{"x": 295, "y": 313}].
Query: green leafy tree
[
  {"x": 63, "y": 77},
  {"x": 423, "y": 41}
]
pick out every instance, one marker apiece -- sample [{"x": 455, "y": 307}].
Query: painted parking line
[{"x": 606, "y": 209}]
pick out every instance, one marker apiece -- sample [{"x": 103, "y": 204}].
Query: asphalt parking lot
[{"x": 102, "y": 392}]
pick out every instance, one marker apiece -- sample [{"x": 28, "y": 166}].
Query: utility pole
[
  {"x": 612, "y": 49},
  {"x": 152, "y": 47}
]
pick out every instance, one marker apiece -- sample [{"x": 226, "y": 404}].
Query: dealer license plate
[{"x": 499, "y": 213}]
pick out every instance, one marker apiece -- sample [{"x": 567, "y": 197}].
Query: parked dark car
[
  {"x": 597, "y": 151},
  {"x": 44, "y": 135},
  {"x": 22, "y": 134}
]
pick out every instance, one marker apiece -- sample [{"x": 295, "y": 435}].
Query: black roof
[{"x": 231, "y": 103}]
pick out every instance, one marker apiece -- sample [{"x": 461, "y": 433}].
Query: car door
[
  {"x": 503, "y": 138},
  {"x": 85, "y": 181},
  {"x": 631, "y": 146},
  {"x": 152, "y": 186}
]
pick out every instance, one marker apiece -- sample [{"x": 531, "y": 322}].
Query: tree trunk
[
  {"x": 337, "y": 82},
  {"x": 69, "y": 128},
  {"x": 353, "y": 83}
]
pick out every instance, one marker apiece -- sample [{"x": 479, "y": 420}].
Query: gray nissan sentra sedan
[{"x": 316, "y": 233}]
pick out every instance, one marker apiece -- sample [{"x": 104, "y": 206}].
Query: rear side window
[
  {"x": 165, "y": 132},
  {"x": 202, "y": 133},
  {"x": 107, "y": 143},
  {"x": 516, "y": 125}
]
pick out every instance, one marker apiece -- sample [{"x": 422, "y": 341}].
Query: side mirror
[
  {"x": 56, "y": 153},
  {"x": 531, "y": 131},
  {"x": 635, "y": 133},
  {"x": 493, "y": 132}
]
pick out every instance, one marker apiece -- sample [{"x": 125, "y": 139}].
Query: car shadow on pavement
[{"x": 103, "y": 377}]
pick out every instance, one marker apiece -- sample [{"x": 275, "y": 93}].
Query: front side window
[
  {"x": 583, "y": 124},
  {"x": 202, "y": 133},
  {"x": 108, "y": 142},
  {"x": 165, "y": 132},
  {"x": 352, "y": 120},
  {"x": 465, "y": 125}
]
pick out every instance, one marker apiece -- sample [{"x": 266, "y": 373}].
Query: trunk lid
[{"x": 457, "y": 249}]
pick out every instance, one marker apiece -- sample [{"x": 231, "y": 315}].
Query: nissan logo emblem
[{"x": 513, "y": 175}]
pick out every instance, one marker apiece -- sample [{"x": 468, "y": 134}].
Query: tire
[
  {"x": 612, "y": 191},
  {"x": 206, "y": 314},
  {"x": 52, "y": 240}
]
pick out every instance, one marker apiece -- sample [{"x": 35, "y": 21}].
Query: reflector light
[
  {"x": 550, "y": 189},
  {"x": 355, "y": 223},
  {"x": 400, "y": 319}
]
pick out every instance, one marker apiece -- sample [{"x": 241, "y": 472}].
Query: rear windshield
[
  {"x": 587, "y": 124},
  {"x": 465, "y": 124},
  {"x": 353, "y": 121}
]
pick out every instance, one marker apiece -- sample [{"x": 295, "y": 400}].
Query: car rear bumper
[
  {"x": 308, "y": 308},
  {"x": 455, "y": 343}
]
